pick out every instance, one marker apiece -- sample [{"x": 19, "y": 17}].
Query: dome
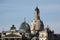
[{"x": 24, "y": 27}]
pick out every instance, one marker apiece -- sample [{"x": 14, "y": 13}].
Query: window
[
  {"x": 21, "y": 33},
  {"x": 12, "y": 38},
  {"x": 42, "y": 35},
  {"x": 17, "y": 38},
  {"x": 6, "y": 38}
]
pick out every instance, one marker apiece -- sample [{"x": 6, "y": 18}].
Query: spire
[
  {"x": 48, "y": 29},
  {"x": 37, "y": 9},
  {"x": 2, "y": 29},
  {"x": 36, "y": 16},
  {"x": 24, "y": 19}
]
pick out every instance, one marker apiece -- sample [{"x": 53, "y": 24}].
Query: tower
[{"x": 36, "y": 24}]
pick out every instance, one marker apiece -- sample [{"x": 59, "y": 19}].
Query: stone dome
[{"x": 24, "y": 27}]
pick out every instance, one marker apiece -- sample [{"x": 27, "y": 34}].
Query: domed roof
[{"x": 25, "y": 27}]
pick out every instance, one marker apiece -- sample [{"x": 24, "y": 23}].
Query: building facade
[{"x": 34, "y": 31}]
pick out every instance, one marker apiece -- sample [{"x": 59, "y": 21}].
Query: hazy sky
[{"x": 14, "y": 11}]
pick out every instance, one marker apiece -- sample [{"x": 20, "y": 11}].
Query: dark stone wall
[{"x": 56, "y": 36}]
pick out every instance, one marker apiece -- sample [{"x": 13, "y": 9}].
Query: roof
[
  {"x": 12, "y": 35},
  {"x": 24, "y": 27}
]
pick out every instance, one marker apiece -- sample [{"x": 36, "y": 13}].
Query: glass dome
[{"x": 24, "y": 27}]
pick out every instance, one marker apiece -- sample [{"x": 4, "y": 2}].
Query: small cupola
[{"x": 13, "y": 28}]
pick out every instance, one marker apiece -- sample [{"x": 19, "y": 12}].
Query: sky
[{"x": 14, "y": 11}]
